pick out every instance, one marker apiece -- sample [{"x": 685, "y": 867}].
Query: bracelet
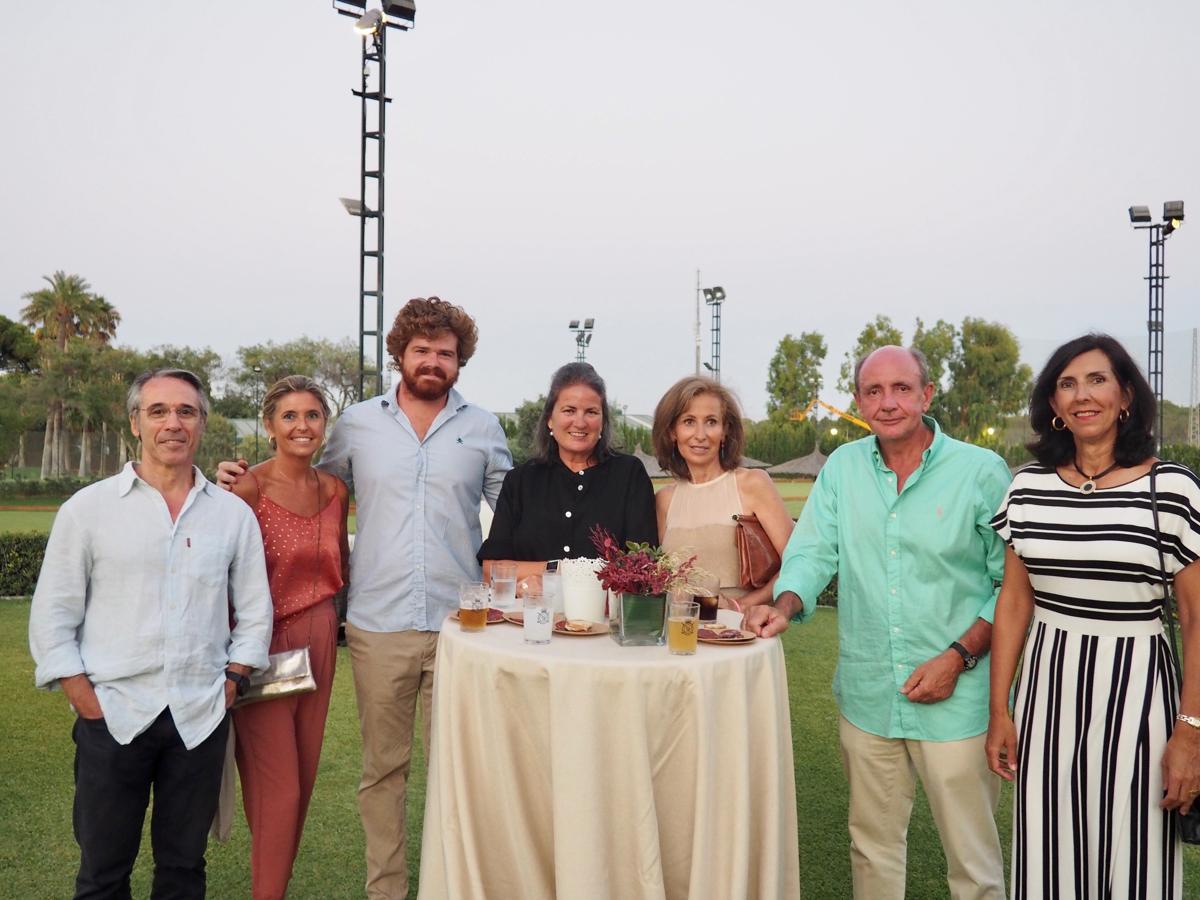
[{"x": 1188, "y": 720}]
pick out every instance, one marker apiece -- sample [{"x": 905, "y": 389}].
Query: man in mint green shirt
[{"x": 902, "y": 518}]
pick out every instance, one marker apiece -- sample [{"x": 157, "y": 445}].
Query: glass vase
[{"x": 638, "y": 620}]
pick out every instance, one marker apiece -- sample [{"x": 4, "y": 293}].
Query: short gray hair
[
  {"x": 918, "y": 358},
  {"x": 133, "y": 399}
]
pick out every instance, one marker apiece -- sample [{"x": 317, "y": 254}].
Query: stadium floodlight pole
[
  {"x": 372, "y": 25},
  {"x": 1139, "y": 217},
  {"x": 583, "y": 337},
  {"x": 714, "y": 297}
]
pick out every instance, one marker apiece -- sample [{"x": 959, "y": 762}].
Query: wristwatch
[
  {"x": 242, "y": 681},
  {"x": 970, "y": 660}
]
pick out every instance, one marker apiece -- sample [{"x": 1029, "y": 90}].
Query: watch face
[{"x": 971, "y": 662}]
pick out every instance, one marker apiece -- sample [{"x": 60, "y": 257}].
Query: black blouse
[{"x": 545, "y": 510}]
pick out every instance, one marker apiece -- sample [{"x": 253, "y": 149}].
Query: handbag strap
[{"x": 1168, "y": 612}]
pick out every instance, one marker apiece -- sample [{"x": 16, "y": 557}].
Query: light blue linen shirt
[
  {"x": 141, "y": 604},
  {"x": 915, "y": 570},
  {"x": 417, "y": 520}
]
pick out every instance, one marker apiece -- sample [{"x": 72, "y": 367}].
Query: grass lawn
[
  {"x": 25, "y": 520},
  {"x": 38, "y": 858}
]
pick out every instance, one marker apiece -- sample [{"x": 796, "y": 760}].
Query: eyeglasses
[{"x": 159, "y": 412}]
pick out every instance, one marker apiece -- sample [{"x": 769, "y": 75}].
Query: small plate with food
[
  {"x": 723, "y": 634},
  {"x": 580, "y": 627}
]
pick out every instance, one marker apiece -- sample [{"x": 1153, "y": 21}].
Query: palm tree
[{"x": 66, "y": 309}]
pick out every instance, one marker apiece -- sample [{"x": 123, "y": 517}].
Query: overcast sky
[{"x": 823, "y": 162}]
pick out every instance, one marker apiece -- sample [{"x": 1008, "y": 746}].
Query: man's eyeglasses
[{"x": 160, "y": 411}]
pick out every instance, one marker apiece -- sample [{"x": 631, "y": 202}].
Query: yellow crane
[{"x": 800, "y": 415}]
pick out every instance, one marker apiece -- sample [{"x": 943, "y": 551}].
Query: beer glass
[
  {"x": 472, "y": 605},
  {"x": 683, "y": 626}
]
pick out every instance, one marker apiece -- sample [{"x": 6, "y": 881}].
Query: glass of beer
[
  {"x": 472, "y": 606},
  {"x": 683, "y": 626},
  {"x": 706, "y": 591}
]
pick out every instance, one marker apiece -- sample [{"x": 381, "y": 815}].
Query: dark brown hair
[
  {"x": 545, "y": 447},
  {"x": 1135, "y": 436},
  {"x": 431, "y": 318},
  {"x": 673, "y": 404}
]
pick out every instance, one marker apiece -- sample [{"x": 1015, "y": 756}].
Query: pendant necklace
[{"x": 1089, "y": 483}]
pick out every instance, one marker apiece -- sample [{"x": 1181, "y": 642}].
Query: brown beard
[{"x": 413, "y": 386}]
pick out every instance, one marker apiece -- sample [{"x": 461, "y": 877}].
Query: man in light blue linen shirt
[
  {"x": 902, "y": 517},
  {"x": 131, "y": 618},
  {"x": 419, "y": 459}
]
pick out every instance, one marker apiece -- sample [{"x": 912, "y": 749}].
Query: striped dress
[{"x": 1096, "y": 698}]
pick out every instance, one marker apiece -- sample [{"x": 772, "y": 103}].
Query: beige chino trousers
[
  {"x": 391, "y": 670},
  {"x": 962, "y": 795}
]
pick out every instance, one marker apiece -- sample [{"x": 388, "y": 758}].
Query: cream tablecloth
[{"x": 581, "y": 769}]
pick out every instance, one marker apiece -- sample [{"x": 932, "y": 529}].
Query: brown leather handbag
[{"x": 757, "y": 560}]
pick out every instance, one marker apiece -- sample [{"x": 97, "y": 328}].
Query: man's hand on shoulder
[
  {"x": 935, "y": 680},
  {"x": 230, "y": 472}
]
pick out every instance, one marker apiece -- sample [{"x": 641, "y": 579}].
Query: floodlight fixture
[
  {"x": 573, "y": 324},
  {"x": 1156, "y": 278},
  {"x": 352, "y": 206},
  {"x": 369, "y": 23},
  {"x": 400, "y": 13},
  {"x": 583, "y": 337},
  {"x": 714, "y": 295},
  {"x": 589, "y": 324}
]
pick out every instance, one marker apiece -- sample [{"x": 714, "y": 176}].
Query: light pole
[
  {"x": 714, "y": 297},
  {"x": 583, "y": 337},
  {"x": 1158, "y": 232},
  {"x": 372, "y": 25},
  {"x": 257, "y": 404}
]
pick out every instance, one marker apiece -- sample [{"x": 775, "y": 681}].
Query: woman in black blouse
[{"x": 576, "y": 480}]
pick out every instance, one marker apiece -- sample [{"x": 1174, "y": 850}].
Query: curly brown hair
[{"x": 432, "y": 317}]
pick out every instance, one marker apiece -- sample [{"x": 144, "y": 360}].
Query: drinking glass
[
  {"x": 706, "y": 591},
  {"x": 538, "y": 617},
  {"x": 472, "y": 605},
  {"x": 683, "y": 626},
  {"x": 504, "y": 585},
  {"x": 552, "y": 590}
]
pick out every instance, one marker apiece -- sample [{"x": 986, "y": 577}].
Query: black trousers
[{"x": 112, "y": 791}]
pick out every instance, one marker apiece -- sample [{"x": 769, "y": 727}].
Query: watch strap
[{"x": 969, "y": 658}]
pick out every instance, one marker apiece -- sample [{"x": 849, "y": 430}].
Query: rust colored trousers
[{"x": 278, "y": 748}]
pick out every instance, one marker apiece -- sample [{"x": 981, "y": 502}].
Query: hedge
[
  {"x": 20, "y": 561},
  {"x": 57, "y": 488}
]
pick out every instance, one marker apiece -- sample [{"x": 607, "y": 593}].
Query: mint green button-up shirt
[{"x": 915, "y": 570}]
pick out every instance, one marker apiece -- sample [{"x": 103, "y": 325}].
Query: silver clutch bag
[{"x": 288, "y": 673}]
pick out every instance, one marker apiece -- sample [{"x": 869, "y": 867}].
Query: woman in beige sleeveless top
[{"x": 698, "y": 437}]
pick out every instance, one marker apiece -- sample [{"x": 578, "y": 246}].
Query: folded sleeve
[{"x": 59, "y": 601}]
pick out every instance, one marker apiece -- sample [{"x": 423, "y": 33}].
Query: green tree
[
  {"x": 520, "y": 440},
  {"x": 18, "y": 348},
  {"x": 987, "y": 380},
  {"x": 334, "y": 365},
  {"x": 879, "y": 332},
  {"x": 940, "y": 346},
  {"x": 67, "y": 310},
  {"x": 794, "y": 374}
]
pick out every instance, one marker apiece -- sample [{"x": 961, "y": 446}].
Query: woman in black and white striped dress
[{"x": 1104, "y": 748}]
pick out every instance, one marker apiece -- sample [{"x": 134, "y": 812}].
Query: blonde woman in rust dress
[
  {"x": 698, "y": 437},
  {"x": 302, "y": 513}
]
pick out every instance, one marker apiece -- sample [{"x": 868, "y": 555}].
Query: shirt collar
[
  {"x": 128, "y": 476},
  {"x": 455, "y": 402},
  {"x": 931, "y": 451}
]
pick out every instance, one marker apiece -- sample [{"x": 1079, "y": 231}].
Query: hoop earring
[
  {"x": 1123, "y": 416},
  {"x": 272, "y": 443},
  {"x": 1058, "y": 423}
]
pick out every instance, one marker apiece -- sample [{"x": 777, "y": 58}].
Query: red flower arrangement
[{"x": 640, "y": 569}]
